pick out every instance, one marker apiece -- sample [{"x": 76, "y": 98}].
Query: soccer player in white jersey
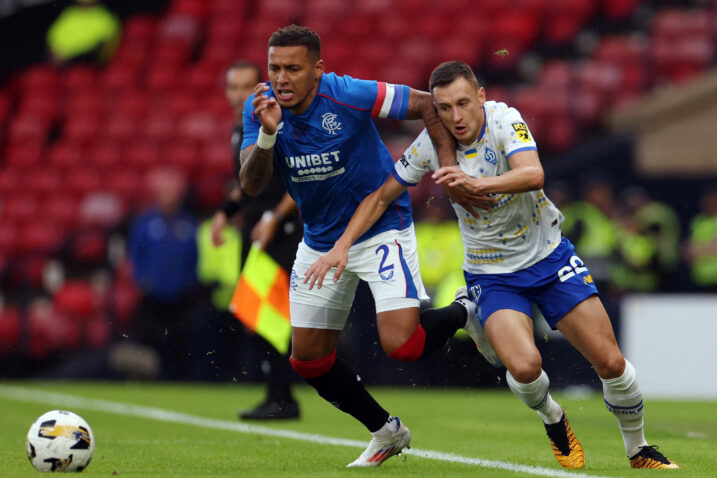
[
  {"x": 514, "y": 255},
  {"x": 317, "y": 130}
]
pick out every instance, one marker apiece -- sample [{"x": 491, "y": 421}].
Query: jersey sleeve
[
  {"x": 383, "y": 100},
  {"x": 417, "y": 160},
  {"x": 251, "y": 124},
  {"x": 514, "y": 134}
]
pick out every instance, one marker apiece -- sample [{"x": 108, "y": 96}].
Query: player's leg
[
  {"x": 511, "y": 333},
  {"x": 587, "y": 327},
  {"x": 318, "y": 317},
  {"x": 390, "y": 266}
]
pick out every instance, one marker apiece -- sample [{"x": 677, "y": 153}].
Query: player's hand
[
  {"x": 463, "y": 189},
  {"x": 266, "y": 109},
  {"x": 264, "y": 231},
  {"x": 217, "y": 226},
  {"x": 336, "y": 257}
]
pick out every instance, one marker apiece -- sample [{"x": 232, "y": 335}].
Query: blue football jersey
[{"x": 331, "y": 157}]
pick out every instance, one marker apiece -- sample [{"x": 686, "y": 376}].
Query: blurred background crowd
[{"x": 114, "y": 127}]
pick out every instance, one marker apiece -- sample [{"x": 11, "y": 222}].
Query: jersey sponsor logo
[
  {"x": 490, "y": 156},
  {"x": 314, "y": 167},
  {"x": 329, "y": 123},
  {"x": 521, "y": 132}
]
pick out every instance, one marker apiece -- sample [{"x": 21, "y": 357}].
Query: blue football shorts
[{"x": 555, "y": 284}]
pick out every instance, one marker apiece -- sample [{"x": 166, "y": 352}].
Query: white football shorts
[{"x": 388, "y": 262}]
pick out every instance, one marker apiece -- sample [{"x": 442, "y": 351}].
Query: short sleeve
[
  {"x": 514, "y": 134},
  {"x": 417, "y": 160},
  {"x": 383, "y": 100},
  {"x": 250, "y": 123}
]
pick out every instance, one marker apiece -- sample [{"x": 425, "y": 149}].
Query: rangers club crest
[{"x": 329, "y": 123}]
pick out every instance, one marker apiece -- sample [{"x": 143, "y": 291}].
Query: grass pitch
[{"x": 161, "y": 430}]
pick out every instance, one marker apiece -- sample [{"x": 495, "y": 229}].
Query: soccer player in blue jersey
[
  {"x": 317, "y": 129},
  {"x": 514, "y": 255}
]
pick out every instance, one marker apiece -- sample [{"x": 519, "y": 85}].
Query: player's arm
[
  {"x": 420, "y": 106},
  {"x": 257, "y": 159},
  {"x": 368, "y": 212},
  {"x": 526, "y": 174}
]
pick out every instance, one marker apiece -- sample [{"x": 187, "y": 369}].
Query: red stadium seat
[
  {"x": 81, "y": 128},
  {"x": 24, "y": 155},
  {"x": 142, "y": 155},
  {"x": 120, "y": 128},
  {"x": 10, "y": 182},
  {"x": 75, "y": 298},
  {"x": 198, "y": 126},
  {"x": 42, "y": 105},
  {"x": 619, "y": 10},
  {"x": 66, "y": 155},
  {"x": 159, "y": 127},
  {"x": 117, "y": 78},
  {"x": 10, "y": 328},
  {"x": 39, "y": 78},
  {"x": 61, "y": 210},
  {"x": 40, "y": 237},
  {"x": 85, "y": 103},
  {"x": 140, "y": 28},
  {"x": 181, "y": 155},
  {"x": 43, "y": 183},
  {"x": 79, "y": 78},
  {"x": 104, "y": 155},
  {"x": 29, "y": 129},
  {"x": 83, "y": 181},
  {"x": 8, "y": 238}
]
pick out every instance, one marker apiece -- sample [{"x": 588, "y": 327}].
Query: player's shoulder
[
  {"x": 500, "y": 111},
  {"x": 347, "y": 89}
]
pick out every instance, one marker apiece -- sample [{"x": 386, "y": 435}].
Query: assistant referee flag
[{"x": 261, "y": 299}]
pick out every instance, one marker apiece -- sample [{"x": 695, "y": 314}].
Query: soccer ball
[{"x": 60, "y": 441}]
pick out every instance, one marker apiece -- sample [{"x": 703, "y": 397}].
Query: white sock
[
  {"x": 623, "y": 399},
  {"x": 536, "y": 396}
]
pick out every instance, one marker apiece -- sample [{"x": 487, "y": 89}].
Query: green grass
[{"x": 490, "y": 425}]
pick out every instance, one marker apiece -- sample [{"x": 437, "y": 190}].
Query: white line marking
[{"x": 70, "y": 401}]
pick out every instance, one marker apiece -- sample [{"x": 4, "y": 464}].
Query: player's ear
[
  {"x": 481, "y": 94},
  {"x": 319, "y": 69}
]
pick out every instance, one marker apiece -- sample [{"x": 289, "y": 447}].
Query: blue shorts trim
[{"x": 555, "y": 284}]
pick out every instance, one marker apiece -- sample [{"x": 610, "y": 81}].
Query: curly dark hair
[{"x": 296, "y": 35}]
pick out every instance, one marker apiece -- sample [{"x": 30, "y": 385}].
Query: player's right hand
[
  {"x": 266, "y": 109},
  {"x": 336, "y": 257}
]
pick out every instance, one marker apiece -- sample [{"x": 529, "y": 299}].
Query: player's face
[
  {"x": 460, "y": 107},
  {"x": 240, "y": 83},
  {"x": 294, "y": 74}
]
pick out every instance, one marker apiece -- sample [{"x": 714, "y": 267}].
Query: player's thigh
[
  {"x": 388, "y": 262},
  {"x": 587, "y": 327},
  {"x": 510, "y": 332},
  {"x": 396, "y": 326},
  {"x": 332, "y": 295}
]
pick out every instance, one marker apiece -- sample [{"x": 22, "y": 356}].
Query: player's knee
[
  {"x": 307, "y": 369},
  {"x": 610, "y": 365},
  {"x": 527, "y": 369},
  {"x": 405, "y": 350}
]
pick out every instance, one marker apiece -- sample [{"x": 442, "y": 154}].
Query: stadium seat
[
  {"x": 127, "y": 185},
  {"x": 61, "y": 210},
  {"x": 24, "y": 155},
  {"x": 181, "y": 155},
  {"x": 75, "y": 298},
  {"x": 42, "y": 105},
  {"x": 28, "y": 129},
  {"x": 104, "y": 155},
  {"x": 8, "y": 237},
  {"x": 118, "y": 78},
  {"x": 20, "y": 209},
  {"x": 142, "y": 155},
  {"x": 199, "y": 126},
  {"x": 81, "y": 181},
  {"x": 140, "y": 28},
  {"x": 40, "y": 237},
  {"x": 10, "y": 329},
  {"x": 81, "y": 128},
  {"x": 43, "y": 183},
  {"x": 10, "y": 182},
  {"x": 120, "y": 127},
  {"x": 66, "y": 155},
  {"x": 39, "y": 78},
  {"x": 79, "y": 78}
]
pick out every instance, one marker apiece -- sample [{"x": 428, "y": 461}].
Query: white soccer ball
[{"x": 60, "y": 441}]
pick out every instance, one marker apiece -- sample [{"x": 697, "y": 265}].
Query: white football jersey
[{"x": 521, "y": 228}]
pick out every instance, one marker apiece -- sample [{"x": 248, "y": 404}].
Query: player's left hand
[
  {"x": 264, "y": 231},
  {"x": 336, "y": 257},
  {"x": 462, "y": 188}
]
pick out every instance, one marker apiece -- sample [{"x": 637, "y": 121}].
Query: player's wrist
[{"x": 265, "y": 140}]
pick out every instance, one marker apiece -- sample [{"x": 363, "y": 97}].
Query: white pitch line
[{"x": 71, "y": 401}]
